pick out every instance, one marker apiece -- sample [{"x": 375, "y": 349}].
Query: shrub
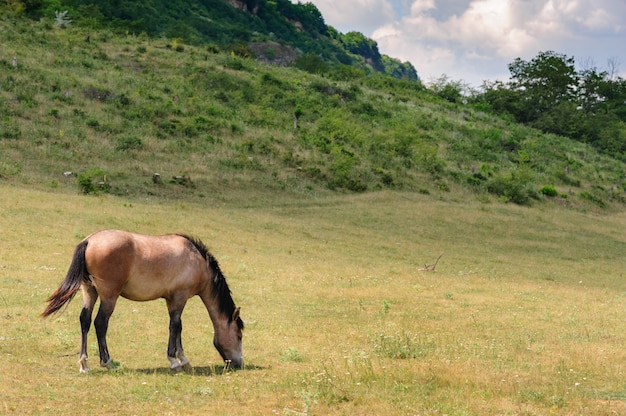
[
  {"x": 8, "y": 169},
  {"x": 345, "y": 174},
  {"x": 236, "y": 63},
  {"x": 95, "y": 93},
  {"x": 129, "y": 143},
  {"x": 92, "y": 122},
  {"x": 430, "y": 162},
  {"x": 61, "y": 19},
  {"x": 9, "y": 129},
  {"x": 123, "y": 100},
  {"x": 93, "y": 181},
  {"x": 510, "y": 188},
  {"x": 242, "y": 51},
  {"x": 311, "y": 63},
  {"x": 549, "y": 191}
]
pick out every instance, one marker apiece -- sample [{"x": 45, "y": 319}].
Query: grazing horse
[{"x": 110, "y": 263}]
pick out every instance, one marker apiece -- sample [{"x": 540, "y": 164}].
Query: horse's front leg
[
  {"x": 102, "y": 325},
  {"x": 175, "y": 353}
]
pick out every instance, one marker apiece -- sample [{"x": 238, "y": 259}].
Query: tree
[
  {"x": 400, "y": 70},
  {"x": 545, "y": 81},
  {"x": 358, "y": 44},
  {"x": 448, "y": 89},
  {"x": 613, "y": 93},
  {"x": 499, "y": 98},
  {"x": 589, "y": 91},
  {"x": 311, "y": 63}
]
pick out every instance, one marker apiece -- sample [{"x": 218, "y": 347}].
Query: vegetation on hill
[
  {"x": 114, "y": 109},
  {"x": 229, "y": 24},
  {"x": 548, "y": 93}
]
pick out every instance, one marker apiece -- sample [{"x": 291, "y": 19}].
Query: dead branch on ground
[{"x": 431, "y": 267}]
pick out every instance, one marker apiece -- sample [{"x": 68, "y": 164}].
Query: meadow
[{"x": 524, "y": 313}]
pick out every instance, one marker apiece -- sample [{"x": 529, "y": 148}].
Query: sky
[{"x": 475, "y": 40}]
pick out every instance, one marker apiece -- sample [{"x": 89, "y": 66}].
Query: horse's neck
[{"x": 212, "y": 306}]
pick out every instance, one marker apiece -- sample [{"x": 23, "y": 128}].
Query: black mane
[{"x": 219, "y": 288}]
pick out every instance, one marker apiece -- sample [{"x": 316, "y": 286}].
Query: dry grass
[{"x": 524, "y": 314}]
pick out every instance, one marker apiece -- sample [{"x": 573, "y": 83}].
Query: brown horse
[{"x": 109, "y": 264}]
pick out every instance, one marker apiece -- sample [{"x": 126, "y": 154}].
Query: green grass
[
  {"x": 117, "y": 109},
  {"x": 323, "y": 233},
  {"x": 524, "y": 314}
]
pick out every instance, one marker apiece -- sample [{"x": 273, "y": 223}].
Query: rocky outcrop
[
  {"x": 242, "y": 5},
  {"x": 273, "y": 53}
]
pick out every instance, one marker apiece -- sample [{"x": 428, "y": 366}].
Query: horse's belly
[
  {"x": 144, "y": 290},
  {"x": 159, "y": 286}
]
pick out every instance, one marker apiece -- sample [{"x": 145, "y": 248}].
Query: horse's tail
[{"x": 76, "y": 274}]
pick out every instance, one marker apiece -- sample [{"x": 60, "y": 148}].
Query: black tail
[{"x": 70, "y": 285}]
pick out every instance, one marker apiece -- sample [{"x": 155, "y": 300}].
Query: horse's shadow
[{"x": 200, "y": 371}]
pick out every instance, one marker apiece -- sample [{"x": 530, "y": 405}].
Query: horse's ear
[{"x": 236, "y": 314}]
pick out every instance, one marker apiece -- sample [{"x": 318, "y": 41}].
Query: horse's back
[{"x": 142, "y": 267}]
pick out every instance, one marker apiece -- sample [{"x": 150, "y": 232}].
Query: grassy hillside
[
  {"x": 523, "y": 315},
  {"x": 259, "y": 25},
  {"x": 115, "y": 109}
]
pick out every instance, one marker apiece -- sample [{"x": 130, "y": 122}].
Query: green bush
[
  {"x": 235, "y": 62},
  {"x": 8, "y": 169},
  {"x": 549, "y": 191},
  {"x": 128, "y": 143},
  {"x": 242, "y": 51},
  {"x": 9, "y": 129},
  {"x": 311, "y": 63},
  {"x": 92, "y": 122},
  {"x": 510, "y": 188},
  {"x": 93, "y": 181}
]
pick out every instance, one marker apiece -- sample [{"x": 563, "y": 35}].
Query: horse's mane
[{"x": 219, "y": 288}]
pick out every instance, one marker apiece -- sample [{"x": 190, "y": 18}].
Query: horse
[{"x": 113, "y": 263}]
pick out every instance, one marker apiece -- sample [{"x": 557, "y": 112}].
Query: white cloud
[
  {"x": 357, "y": 15},
  {"x": 475, "y": 40},
  {"x": 420, "y": 6},
  {"x": 486, "y": 27},
  {"x": 483, "y": 31}
]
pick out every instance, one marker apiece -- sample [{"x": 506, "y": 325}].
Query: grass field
[{"x": 525, "y": 313}]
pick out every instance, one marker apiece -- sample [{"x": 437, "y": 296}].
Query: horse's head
[{"x": 227, "y": 340}]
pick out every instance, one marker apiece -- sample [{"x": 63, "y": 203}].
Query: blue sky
[{"x": 475, "y": 40}]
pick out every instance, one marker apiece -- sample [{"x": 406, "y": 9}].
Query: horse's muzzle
[{"x": 235, "y": 364}]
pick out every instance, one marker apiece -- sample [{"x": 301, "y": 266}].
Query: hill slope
[
  {"x": 259, "y": 27},
  {"x": 116, "y": 109}
]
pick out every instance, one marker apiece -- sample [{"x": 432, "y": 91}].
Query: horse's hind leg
[
  {"x": 102, "y": 325},
  {"x": 89, "y": 299},
  {"x": 175, "y": 353}
]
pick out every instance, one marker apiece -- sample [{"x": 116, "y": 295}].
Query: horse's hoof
[
  {"x": 84, "y": 368},
  {"x": 174, "y": 364},
  {"x": 108, "y": 365}
]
